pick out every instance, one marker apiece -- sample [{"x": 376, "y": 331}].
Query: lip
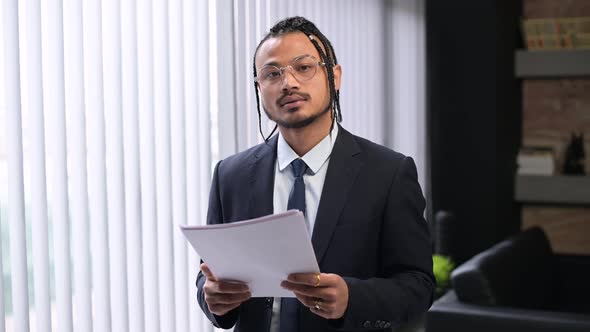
[
  {"x": 293, "y": 104},
  {"x": 291, "y": 101}
]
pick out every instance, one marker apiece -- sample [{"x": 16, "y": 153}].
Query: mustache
[{"x": 303, "y": 95}]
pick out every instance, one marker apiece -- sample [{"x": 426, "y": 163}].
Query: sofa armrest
[
  {"x": 516, "y": 272},
  {"x": 571, "y": 284},
  {"x": 449, "y": 314}
]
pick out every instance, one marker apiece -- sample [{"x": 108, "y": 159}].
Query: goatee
[{"x": 298, "y": 124}]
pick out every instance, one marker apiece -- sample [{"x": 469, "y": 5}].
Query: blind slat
[
  {"x": 407, "y": 49},
  {"x": 204, "y": 70},
  {"x": 113, "y": 134},
  {"x": 178, "y": 158},
  {"x": 38, "y": 190},
  {"x": 132, "y": 170},
  {"x": 163, "y": 175},
  {"x": 16, "y": 209},
  {"x": 76, "y": 132},
  {"x": 2, "y": 306},
  {"x": 224, "y": 94},
  {"x": 205, "y": 73},
  {"x": 97, "y": 191},
  {"x": 148, "y": 159},
  {"x": 53, "y": 86},
  {"x": 239, "y": 44},
  {"x": 111, "y": 26},
  {"x": 196, "y": 96}
]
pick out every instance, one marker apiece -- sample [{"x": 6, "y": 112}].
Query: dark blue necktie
[
  {"x": 297, "y": 195},
  {"x": 289, "y": 306}
]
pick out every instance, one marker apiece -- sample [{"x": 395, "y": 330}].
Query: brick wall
[
  {"x": 552, "y": 110},
  {"x": 555, "y": 8}
]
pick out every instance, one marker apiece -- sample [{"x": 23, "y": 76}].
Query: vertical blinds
[{"x": 106, "y": 107}]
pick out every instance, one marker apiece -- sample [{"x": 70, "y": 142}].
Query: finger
[
  {"x": 232, "y": 287},
  {"x": 303, "y": 289},
  {"x": 227, "y": 298},
  {"x": 326, "y": 294},
  {"x": 223, "y": 287},
  {"x": 311, "y": 301},
  {"x": 321, "y": 310},
  {"x": 207, "y": 272},
  {"x": 311, "y": 279},
  {"x": 296, "y": 287},
  {"x": 308, "y": 301}
]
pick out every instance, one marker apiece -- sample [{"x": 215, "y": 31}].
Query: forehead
[{"x": 284, "y": 48}]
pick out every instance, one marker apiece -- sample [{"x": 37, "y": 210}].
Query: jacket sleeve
[
  {"x": 405, "y": 286},
  {"x": 214, "y": 216}
]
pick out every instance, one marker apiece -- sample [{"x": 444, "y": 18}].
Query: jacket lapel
[
  {"x": 262, "y": 176},
  {"x": 343, "y": 169}
]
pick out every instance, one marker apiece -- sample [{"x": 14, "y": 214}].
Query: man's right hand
[{"x": 223, "y": 296}]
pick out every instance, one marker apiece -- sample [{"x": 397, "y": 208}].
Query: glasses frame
[{"x": 293, "y": 72}]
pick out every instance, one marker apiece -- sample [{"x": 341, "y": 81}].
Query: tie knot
[{"x": 299, "y": 167}]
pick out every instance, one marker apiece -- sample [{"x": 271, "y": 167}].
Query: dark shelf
[
  {"x": 554, "y": 63},
  {"x": 558, "y": 189}
]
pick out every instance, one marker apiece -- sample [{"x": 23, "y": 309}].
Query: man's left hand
[{"x": 325, "y": 294}]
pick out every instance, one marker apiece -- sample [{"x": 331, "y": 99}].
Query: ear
[{"x": 337, "y": 75}]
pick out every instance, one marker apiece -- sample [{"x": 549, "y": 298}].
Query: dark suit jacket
[{"x": 369, "y": 229}]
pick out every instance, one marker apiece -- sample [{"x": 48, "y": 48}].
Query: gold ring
[
  {"x": 318, "y": 280},
  {"x": 317, "y": 306}
]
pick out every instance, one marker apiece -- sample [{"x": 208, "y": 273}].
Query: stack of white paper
[{"x": 260, "y": 252}]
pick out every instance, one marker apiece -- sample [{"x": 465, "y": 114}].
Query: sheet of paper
[{"x": 261, "y": 252}]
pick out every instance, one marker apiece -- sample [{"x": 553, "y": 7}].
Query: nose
[{"x": 289, "y": 80}]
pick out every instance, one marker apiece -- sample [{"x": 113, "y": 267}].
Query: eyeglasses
[{"x": 303, "y": 68}]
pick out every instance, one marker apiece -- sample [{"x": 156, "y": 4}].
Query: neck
[{"x": 303, "y": 139}]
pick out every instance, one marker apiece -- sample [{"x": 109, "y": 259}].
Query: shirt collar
[{"x": 315, "y": 158}]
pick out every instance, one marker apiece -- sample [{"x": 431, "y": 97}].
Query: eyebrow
[{"x": 276, "y": 64}]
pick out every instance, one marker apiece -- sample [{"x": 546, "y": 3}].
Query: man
[{"x": 362, "y": 202}]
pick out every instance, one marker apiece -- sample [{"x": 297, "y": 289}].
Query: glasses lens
[
  {"x": 269, "y": 75},
  {"x": 304, "y": 68}
]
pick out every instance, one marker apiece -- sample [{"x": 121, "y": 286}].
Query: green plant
[{"x": 442, "y": 267}]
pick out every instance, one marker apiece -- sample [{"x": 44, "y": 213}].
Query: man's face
[{"x": 292, "y": 102}]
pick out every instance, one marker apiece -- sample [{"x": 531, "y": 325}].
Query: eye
[
  {"x": 304, "y": 67},
  {"x": 271, "y": 74}
]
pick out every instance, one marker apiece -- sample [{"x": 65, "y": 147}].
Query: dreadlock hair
[{"x": 301, "y": 24}]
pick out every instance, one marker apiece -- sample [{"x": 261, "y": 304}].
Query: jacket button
[
  {"x": 367, "y": 324},
  {"x": 268, "y": 302}
]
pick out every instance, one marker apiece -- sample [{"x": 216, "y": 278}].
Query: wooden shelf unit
[
  {"x": 552, "y": 63},
  {"x": 556, "y": 189}
]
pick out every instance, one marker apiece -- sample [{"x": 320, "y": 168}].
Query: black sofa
[{"x": 517, "y": 285}]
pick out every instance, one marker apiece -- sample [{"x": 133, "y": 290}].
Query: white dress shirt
[{"x": 317, "y": 160}]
